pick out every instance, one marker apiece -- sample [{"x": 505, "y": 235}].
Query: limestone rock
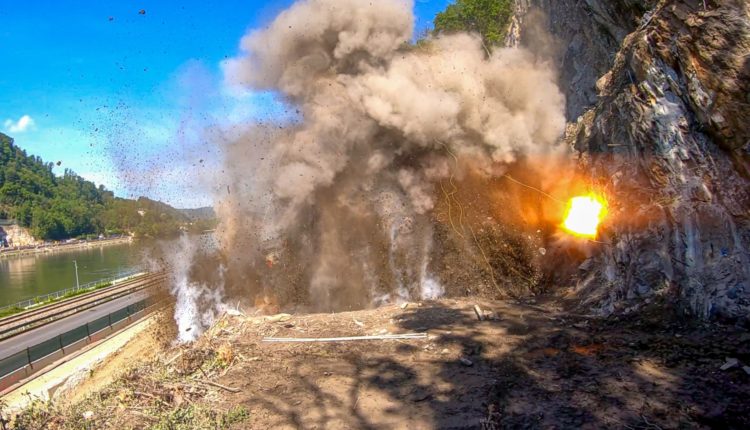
[{"x": 658, "y": 103}]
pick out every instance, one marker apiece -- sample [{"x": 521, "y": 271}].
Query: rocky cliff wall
[
  {"x": 586, "y": 35},
  {"x": 17, "y": 235},
  {"x": 659, "y": 103}
]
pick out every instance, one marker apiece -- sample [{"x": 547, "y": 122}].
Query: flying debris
[{"x": 361, "y": 183}]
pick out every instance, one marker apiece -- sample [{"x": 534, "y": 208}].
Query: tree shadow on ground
[{"x": 529, "y": 368}]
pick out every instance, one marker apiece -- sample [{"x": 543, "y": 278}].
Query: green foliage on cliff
[
  {"x": 60, "y": 207},
  {"x": 489, "y": 18}
]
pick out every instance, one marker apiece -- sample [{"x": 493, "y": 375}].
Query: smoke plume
[
  {"x": 337, "y": 209},
  {"x": 196, "y": 304}
]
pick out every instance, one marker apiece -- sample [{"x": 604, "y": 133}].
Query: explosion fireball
[{"x": 583, "y": 215}]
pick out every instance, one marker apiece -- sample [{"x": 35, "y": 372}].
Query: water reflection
[{"x": 31, "y": 275}]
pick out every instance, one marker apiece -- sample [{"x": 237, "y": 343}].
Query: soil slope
[{"x": 527, "y": 366}]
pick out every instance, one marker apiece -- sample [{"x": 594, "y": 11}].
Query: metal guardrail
[
  {"x": 88, "y": 332},
  {"x": 42, "y": 315},
  {"x": 89, "y": 286}
]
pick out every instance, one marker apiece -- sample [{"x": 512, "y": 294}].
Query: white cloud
[{"x": 24, "y": 123}]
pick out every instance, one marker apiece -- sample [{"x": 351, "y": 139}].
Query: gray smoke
[{"x": 336, "y": 207}]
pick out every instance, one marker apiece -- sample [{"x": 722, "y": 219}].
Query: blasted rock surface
[
  {"x": 668, "y": 138},
  {"x": 586, "y": 35}
]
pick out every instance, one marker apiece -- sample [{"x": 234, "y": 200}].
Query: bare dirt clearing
[
  {"x": 531, "y": 367},
  {"x": 525, "y": 366}
]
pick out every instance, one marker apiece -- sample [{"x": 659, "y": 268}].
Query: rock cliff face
[
  {"x": 658, "y": 99},
  {"x": 17, "y": 235}
]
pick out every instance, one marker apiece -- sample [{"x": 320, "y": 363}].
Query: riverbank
[
  {"x": 57, "y": 296},
  {"x": 48, "y": 249}
]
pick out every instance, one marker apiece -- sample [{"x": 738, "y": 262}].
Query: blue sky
[{"x": 121, "y": 97}]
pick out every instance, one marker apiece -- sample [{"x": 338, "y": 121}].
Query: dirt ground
[
  {"x": 530, "y": 365},
  {"x": 141, "y": 349},
  {"x": 74, "y": 378}
]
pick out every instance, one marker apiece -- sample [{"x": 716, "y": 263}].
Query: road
[{"x": 35, "y": 336}]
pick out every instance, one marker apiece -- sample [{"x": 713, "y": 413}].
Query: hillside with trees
[
  {"x": 59, "y": 207},
  {"x": 488, "y": 18}
]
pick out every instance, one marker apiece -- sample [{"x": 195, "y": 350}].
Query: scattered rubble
[
  {"x": 730, "y": 363},
  {"x": 537, "y": 365},
  {"x": 466, "y": 362},
  {"x": 478, "y": 312}
]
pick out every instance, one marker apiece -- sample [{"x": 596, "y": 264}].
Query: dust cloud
[{"x": 338, "y": 208}]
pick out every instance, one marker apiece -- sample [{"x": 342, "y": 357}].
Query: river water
[{"x": 28, "y": 276}]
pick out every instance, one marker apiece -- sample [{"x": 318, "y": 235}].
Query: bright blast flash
[{"x": 583, "y": 215}]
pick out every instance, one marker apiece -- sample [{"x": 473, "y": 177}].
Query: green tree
[
  {"x": 489, "y": 18},
  {"x": 46, "y": 225},
  {"x": 60, "y": 207}
]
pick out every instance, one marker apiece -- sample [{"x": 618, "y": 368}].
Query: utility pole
[{"x": 75, "y": 263}]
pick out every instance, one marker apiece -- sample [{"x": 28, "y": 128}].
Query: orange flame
[{"x": 583, "y": 215}]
